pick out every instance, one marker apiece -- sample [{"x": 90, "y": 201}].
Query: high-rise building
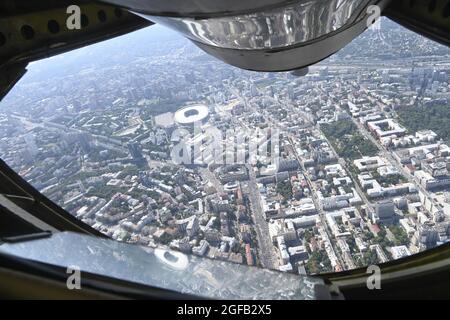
[
  {"x": 136, "y": 153},
  {"x": 31, "y": 144},
  {"x": 385, "y": 212}
]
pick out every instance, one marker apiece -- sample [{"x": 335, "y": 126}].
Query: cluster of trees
[
  {"x": 308, "y": 235},
  {"x": 318, "y": 263},
  {"x": 382, "y": 240},
  {"x": 369, "y": 258},
  {"x": 285, "y": 189},
  {"x": 129, "y": 171},
  {"x": 158, "y": 106},
  {"x": 105, "y": 192},
  {"x": 433, "y": 117},
  {"x": 352, "y": 244},
  {"x": 401, "y": 238},
  {"x": 83, "y": 175},
  {"x": 388, "y": 180},
  {"x": 347, "y": 140}
]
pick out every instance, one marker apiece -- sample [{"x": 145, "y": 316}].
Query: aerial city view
[{"x": 151, "y": 141}]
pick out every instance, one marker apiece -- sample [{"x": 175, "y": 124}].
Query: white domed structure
[
  {"x": 191, "y": 114},
  {"x": 173, "y": 259}
]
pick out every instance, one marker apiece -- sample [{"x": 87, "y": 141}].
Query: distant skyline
[
  {"x": 143, "y": 43},
  {"x": 102, "y": 52}
]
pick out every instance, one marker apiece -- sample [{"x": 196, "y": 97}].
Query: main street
[
  {"x": 255, "y": 193},
  {"x": 322, "y": 213},
  {"x": 266, "y": 249}
]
